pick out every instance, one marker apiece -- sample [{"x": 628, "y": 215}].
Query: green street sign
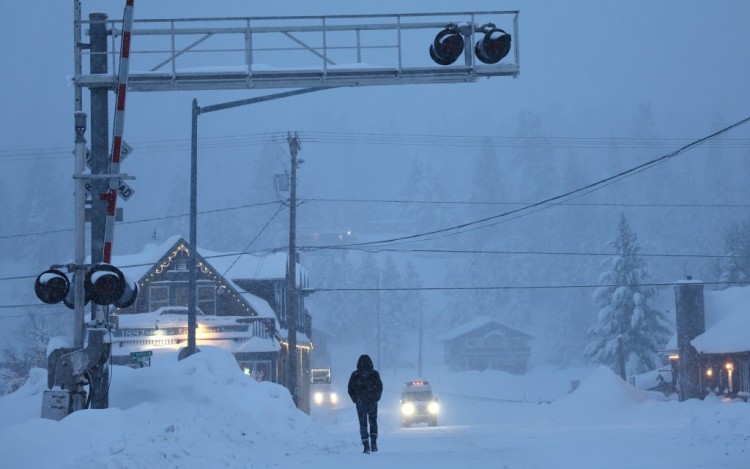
[{"x": 145, "y": 353}]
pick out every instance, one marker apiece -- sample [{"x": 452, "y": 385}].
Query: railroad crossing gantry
[{"x": 282, "y": 52}]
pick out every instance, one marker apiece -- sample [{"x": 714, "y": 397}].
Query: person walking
[{"x": 365, "y": 389}]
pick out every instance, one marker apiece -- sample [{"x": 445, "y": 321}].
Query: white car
[{"x": 418, "y": 404}]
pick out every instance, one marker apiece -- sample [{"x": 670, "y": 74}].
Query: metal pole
[
  {"x": 291, "y": 278},
  {"x": 420, "y": 340},
  {"x": 79, "y": 166},
  {"x": 80, "y": 227},
  {"x": 377, "y": 301},
  {"x": 99, "y": 138},
  {"x": 193, "y": 267}
]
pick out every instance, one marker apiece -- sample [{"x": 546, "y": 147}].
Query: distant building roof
[
  {"x": 476, "y": 323},
  {"x": 727, "y": 322}
]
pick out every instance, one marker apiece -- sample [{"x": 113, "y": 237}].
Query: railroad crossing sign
[
  {"x": 124, "y": 152},
  {"x": 123, "y": 189}
]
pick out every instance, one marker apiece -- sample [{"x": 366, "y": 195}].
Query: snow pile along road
[{"x": 200, "y": 412}]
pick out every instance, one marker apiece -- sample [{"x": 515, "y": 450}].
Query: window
[
  {"x": 473, "y": 342},
  {"x": 180, "y": 295},
  {"x": 207, "y": 299},
  {"x": 158, "y": 297},
  {"x": 494, "y": 340}
]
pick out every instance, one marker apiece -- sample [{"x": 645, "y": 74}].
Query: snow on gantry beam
[{"x": 300, "y": 52}]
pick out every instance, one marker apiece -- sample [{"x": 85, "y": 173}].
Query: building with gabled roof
[
  {"x": 710, "y": 352},
  {"x": 241, "y": 307},
  {"x": 484, "y": 343}
]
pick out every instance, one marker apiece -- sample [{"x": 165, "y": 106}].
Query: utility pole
[
  {"x": 377, "y": 301},
  {"x": 291, "y": 272},
  {"x": 98, "y": 36},
  {"x": 420, "y": 340}
]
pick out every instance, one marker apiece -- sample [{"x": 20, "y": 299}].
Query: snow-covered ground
[{"x": 204, "y": 412}]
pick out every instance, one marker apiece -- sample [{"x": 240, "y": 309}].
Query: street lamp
[{"x": 193, "y": 263}]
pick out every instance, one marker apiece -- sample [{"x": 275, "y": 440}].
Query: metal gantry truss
[
  {"x": 299, "y": 52},
  {"x": 302, "y": 53}
]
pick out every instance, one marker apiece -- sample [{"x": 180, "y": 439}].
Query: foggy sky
[{"x": 587, "y": 67}]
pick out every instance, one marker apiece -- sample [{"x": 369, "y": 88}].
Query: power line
[
  {"x": 373, "y": 138},
  {"x": 375, "y": 250},
  {"x": 465, "y": 202},
  {"x": 429, "y": 289},
  {"x": 513, "y": 287},
  {"x": 547, "y": 203},
  {"x": 143, "y": 220},
  {"x": 535, "y": 253}
]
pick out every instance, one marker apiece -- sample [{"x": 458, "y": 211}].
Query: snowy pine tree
[
  {"x": 737, "y": 245},
  {"x": 626, "y": 316},
  {"x": 393, "y": 315}
]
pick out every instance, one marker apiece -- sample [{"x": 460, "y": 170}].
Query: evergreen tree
[
  {"x": 737, "y": 244},
  {"x": 335, "y": 308},
  {"x": 393, "y": 316},
  {"x": 627, "y": 323}
]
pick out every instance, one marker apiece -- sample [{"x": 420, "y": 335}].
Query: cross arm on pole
[{"x": 257, "y": 99}]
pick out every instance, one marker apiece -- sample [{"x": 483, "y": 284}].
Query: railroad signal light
[
  {"x": 104, "y": 284},
  {"x": 447, "y": 46},
  {"x": 51, "y": 286},
  {"x": 494, "y": 46}
]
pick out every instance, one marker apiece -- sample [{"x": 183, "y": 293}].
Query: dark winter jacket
[{"x": 364, "y": 384}]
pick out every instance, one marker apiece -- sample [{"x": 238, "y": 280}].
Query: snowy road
[{"x": 526, "y": 435}]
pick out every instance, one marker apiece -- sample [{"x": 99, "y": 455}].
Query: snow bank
[
  {"x": 200, "y": 412},
  {"x": 602, "y": 393}
]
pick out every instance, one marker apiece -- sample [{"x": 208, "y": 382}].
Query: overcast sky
[{"x": 586, "y": 67}]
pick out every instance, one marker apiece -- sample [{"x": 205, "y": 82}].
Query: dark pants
[{"x": 365, "y": 411}]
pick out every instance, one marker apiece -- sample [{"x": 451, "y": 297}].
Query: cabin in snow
[
  {"x": 484, "y": 343},
  {"x": 711, "y": 350},
  {"x": 241, "y": 308}
]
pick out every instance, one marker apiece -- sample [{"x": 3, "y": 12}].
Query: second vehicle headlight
[
  {"x": 407, "y": 409},
  {"x": 318, "y": 396},
  {"x": 334, "y": 398},
  {"x": 433, "y": 407}
]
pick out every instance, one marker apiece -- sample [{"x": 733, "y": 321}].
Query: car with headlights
[
  {"x": 418, "y": 404},
  {"x": 321, "y": 390}
]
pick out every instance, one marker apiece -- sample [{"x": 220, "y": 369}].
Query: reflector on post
[
  {"x": 447, "y": 46},
  {"x": 106, "y": 285},
  {"x": 494, "y": 46},
  {"x": 51, "y": 286}
]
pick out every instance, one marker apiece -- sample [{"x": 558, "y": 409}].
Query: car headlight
[
  {"x": 318, "y": 397},
  {"x": 334, "y": 398},
  {"x": 433, "y": 407},
  {"x": 407, "y": 409}
]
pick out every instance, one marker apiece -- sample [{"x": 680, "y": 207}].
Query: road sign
[
  {"x": 125, "y": 191},
  {"x": 124, "y": 152},
  {"x": 143, "y": 354}
]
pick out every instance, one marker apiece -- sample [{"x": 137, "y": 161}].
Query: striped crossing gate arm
[{"x": 118, "y": 129}]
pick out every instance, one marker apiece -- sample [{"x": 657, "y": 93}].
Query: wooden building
[
  {"x": 241, "y": 308},
  {"x": 711, "y": 350},
  {"x": 484, "y": 343}
]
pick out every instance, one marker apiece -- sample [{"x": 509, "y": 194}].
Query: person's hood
[{"x": 364, "y": 363}]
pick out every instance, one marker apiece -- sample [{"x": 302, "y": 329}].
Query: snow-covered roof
[
  {"x": 727, "y": 321},
  {"x": 232, "y": 266},
  {"x": 475, "y": 323}
]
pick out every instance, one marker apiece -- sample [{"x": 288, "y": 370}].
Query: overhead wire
[{"x": 556, "y": 200}]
